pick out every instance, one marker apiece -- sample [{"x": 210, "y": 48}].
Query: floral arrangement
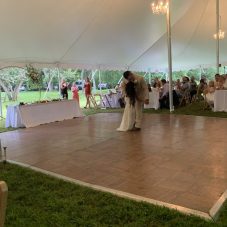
[{"x": 35, "y": 75}]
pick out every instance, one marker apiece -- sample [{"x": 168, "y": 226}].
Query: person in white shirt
[{"x": 164, "y": 94}]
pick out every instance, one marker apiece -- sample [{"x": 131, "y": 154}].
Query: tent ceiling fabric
[{"x": 108, "y": 34}]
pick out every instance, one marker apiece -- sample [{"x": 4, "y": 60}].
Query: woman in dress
[
  {"x": 87, "y": 89},
  {"x": 75, "y": 92},
  {"x": 209, "y": 93},
  {"x": 128, "y": 119}
]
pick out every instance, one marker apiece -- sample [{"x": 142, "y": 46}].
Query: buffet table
[
  {"x": 42, "y": 113},
  {"x": 220, "y": 100},
  {"x": 153, "y": 100}
]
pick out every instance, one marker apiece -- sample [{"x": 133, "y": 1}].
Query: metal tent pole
[
  {"x": 218, "y": 38},
  {"x": 171, "y": 108}
]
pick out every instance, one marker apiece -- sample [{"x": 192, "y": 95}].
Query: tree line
[{"x": 13, "y": 79}]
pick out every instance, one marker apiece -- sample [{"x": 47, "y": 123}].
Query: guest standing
[
  {"x": 75, "y": 92},
  {"x": 64, "y": 89},
  {"x": 87, "y": 90}
]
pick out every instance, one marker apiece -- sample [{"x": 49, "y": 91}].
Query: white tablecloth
[
  {"x": 111, "y": 101},
  {"x": 220, "y": 100},
  {"x": 42, "y": 113},
  {"x": 153, "y": 100},
  {"x": 13, "y": 118}
]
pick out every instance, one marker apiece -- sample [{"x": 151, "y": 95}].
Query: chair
[
  {"x": 3, "y": 202},
  {"x": 93, "y": 101}
]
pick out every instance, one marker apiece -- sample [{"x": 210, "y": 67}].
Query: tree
[{"x": 11, "y": 80}]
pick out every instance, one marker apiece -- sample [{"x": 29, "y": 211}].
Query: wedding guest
[
  {"x": 220, "y": 83},
  {"x": 225, "y": 83},
  {"x": 87, "y": 90},
  {"x": 193, "y": 87},
  {"x": 209, "y": 92},
  {"x": 64, "y": 89},
  {"x": 157, "y": 83},
  {"x": 216, "y": 80},
  {"x": 164, "y": 94},
  {"x": 177, "y": 85},
  {"x": 202, "y": 86},
  {"x": 149, "y": 87},
  {"x": 75, "y": 92}
]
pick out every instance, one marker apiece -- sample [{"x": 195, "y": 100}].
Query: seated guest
[
  {"x": 209, "y": 92},
  {"x": 202, "y": 86},
  {"x": 193, "y": 87},
  {"x": 225, "y": 82},
  {"x": 216, "y": 81},
  {"x": 149, "y": 87},
  {"x": 157, "y": 83},
  {"x": 220, "y": 83},
  {"x": 185, "y": 86},
  {"x": 164, "y": 94},
  {"x": 177, "y": 85}
]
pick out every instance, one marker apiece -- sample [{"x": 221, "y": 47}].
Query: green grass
[{"x": 39, "y": 200}]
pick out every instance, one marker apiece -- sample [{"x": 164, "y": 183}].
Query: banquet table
[
  {"x": 153, "y": 100},
  {"x": 43, "y": 113},
  {"x": 220, "y": 100},
  {"x": 110, "y": 100},
  {"x": 13, "y": 118}
]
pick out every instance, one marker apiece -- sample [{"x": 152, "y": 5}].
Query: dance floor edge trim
[{"x": 212, "y": 215}]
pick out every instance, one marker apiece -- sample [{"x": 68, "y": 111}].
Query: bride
[{"x": 129, "y": 116}]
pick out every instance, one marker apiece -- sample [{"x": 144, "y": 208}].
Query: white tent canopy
[{"x": 108, "y": 34}]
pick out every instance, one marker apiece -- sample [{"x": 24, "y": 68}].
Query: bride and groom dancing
[{"x": 135, "y": 91}]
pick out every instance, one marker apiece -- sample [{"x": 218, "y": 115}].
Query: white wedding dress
[{"x": 129, "y": 115}]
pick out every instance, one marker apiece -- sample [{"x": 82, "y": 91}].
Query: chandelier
[
  {"x": 160, "y": 7},
  {"x": 221, "y": 34}
]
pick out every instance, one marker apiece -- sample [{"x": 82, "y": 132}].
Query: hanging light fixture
[
  {"x": 160, "y": 7},
  {"x": 221, "y": 34}
]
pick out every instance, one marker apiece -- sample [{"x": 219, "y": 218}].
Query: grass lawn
[{"x": 39, "y": 200}]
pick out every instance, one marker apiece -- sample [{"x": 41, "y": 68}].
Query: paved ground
[{"x": 174, "y": 159}]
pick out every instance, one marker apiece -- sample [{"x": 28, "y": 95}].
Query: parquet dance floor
[{"x": 180, "y": 160}]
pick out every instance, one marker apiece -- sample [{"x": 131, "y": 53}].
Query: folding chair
[
  {"x": 93, "y": 101},
  {"x": 3, "y": 202}
]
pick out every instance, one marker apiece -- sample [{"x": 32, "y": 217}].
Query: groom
[{"x": 142, "y": 95}]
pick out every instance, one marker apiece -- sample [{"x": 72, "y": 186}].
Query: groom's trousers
[{"x": 139, "y": 110}]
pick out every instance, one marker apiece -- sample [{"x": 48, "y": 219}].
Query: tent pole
[
  {"x": 120, "y": 80},
  {"x": 150, "y": 77},
  {"x": 93, "y": 79},
  {"x": 59, "y": 82},
  {"x": 100, "y": 81},
  {"x": 217, "y": 32},
  {"x": 171, "y": 108},
  {"x": 1, "y": 103}
]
